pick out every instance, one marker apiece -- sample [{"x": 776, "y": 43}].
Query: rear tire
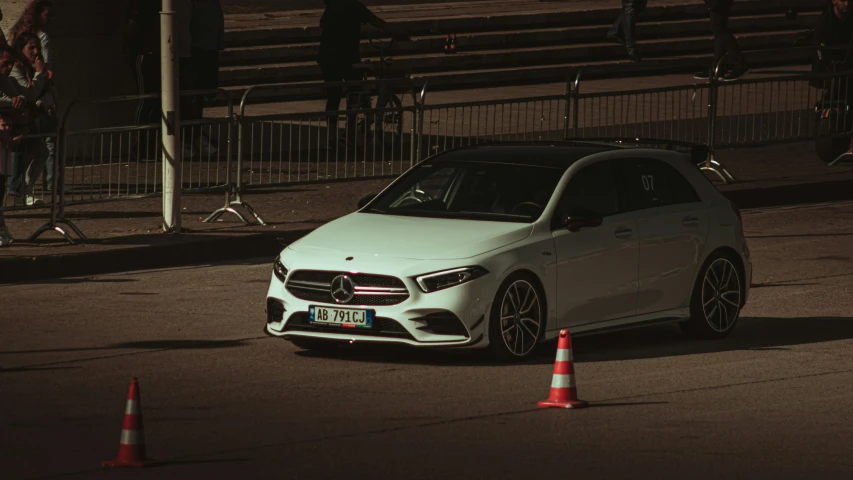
[
  {"x": 517, "y": 319},
  {"x": 828, "y": 149},
  {"x": 717, "y": 298}
]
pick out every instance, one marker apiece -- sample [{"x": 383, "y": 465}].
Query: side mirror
[
  {"x": 365, "y": 200},
  {"x": 576, "y": 221}
]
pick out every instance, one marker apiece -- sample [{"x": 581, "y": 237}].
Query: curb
[
  {"x": 24, "y": 269},
  {"x": 194, "y": 252}
]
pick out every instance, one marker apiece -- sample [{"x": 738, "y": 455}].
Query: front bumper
[{"x": 411, "y": 322}]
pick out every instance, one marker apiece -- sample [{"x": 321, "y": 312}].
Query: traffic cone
[
  {"x": 131, "y": 448},
  {"x": 564, "y": 394}
]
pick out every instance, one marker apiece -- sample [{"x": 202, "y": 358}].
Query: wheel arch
[
  {"x": 539, "y": 284},
  {"x": 729, "y": 252}
]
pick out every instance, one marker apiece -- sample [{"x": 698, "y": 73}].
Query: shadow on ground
[
  {"x": 760, "y": 334},
  {"x": 144, "y": 345}
]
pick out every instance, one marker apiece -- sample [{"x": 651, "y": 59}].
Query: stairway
[{"x": 548, "y": 42}]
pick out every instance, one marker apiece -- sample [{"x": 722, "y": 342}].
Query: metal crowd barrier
[
  {"x": 370, "y": 141},
  {"x": 366, "y": 140}
]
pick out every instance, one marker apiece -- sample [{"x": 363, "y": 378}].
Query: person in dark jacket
[
  {"x": 833, "y": 36},
  {"x": 339, "y": 43},
  {"x": 725, "y": 44},
  {"x": 622, "y": 30}
]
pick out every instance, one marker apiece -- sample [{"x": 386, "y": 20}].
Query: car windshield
[{"x": 490, "y": 191}]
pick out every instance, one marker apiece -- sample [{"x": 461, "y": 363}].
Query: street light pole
[{"x": 171, "y": 119}]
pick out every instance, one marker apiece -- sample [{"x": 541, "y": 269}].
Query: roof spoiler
[{"x": 698, "y": 152}]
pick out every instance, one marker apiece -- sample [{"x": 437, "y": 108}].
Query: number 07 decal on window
[{"x": 649, "y": 182}]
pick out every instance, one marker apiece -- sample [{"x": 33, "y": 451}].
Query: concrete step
[
  {"x": 242, "y": 56},
  {"x": 506, "y": 59},
  {"x": 559, "y": 16},
  {"x": 545, "y": 74}
]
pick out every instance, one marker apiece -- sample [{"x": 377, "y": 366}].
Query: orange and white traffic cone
[
  {"x": 564, "y": 393},
  {"x": 131, "y": 448}
]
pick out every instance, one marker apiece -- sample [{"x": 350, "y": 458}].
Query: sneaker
[
  {"x": 634, "y": 56},
  {"x": 5, "y": 237},
  {"x": 704, "y": 75},
  {"x": 736, "y": 74},
  {"x": 30, "y": 200}
]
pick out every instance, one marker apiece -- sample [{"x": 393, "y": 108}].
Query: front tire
[
  {"x": 717, "y": 298},
  {"x": 517, "y": 319}
]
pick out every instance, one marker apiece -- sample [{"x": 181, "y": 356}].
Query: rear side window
[{"x": 649, "y": 183}]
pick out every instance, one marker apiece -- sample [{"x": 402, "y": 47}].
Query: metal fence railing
[
  {"x": 388, "y": 127},
  {"x": 460, "y": 124}
]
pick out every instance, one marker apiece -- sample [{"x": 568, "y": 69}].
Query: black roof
[
  {"x": 561, "y": 154},
  {"x": 554, "y": 155}
]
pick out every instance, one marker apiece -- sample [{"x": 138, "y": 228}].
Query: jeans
[
  {"x": 48, "y": 124},
  {"x": 15, "y": 174},
  {"x": 626, "y": 22}
]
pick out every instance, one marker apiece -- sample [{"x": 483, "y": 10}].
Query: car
[{"x": 501, "y": 246}]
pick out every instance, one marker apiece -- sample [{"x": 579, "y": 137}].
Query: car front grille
[
  {"x": 370, "y": 290},
  {"x": 382, "y": 327}
]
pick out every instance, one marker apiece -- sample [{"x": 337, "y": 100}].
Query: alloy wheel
[
  {"x": 521, "y": 318},
  {"x": 721, "y": 295}
]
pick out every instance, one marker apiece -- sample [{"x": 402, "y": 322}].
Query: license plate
[{"x": 340, "y": 317}]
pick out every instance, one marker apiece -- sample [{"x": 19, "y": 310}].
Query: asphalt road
[{"x": 221, "y": 400}]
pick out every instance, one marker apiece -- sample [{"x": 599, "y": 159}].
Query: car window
[
  {"x": 593, "y": 189},
  {"x": 437, "y": 184},
  {"x": 474, "y": 190},
  {"x": 649, "y": 183}
]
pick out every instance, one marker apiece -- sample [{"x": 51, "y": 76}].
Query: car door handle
[
  {"x": 623, "y": 232},
  {"x": 690, "y": 221}
]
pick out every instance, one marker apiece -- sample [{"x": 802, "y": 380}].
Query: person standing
[
  {"x": 32, "y": 80},
  {"x": 208, "y": 39},
  {"x": 12, "y": 111},
  {"x": 725, "y": 44},
  {"x": 142, "y": 43},
  {"x": 833, "y": 31},
  {"x": 35, "y": 20},
  {"x": 340, "y": 41},
  {"x": 623, "y": 28},
  {"x": 8, "y": 140}
]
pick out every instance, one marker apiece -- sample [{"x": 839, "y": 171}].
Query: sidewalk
[{"x": 124, "y": 235}]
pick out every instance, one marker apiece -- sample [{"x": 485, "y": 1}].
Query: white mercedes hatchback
[{"x": 501, "y": 246}]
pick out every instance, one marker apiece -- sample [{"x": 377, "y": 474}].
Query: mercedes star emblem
[{"x": 342, "y": 289}]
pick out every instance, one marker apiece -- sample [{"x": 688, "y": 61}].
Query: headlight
[
  {"x": 432, "y": 282},
  {"x": 279, "y": 269}
]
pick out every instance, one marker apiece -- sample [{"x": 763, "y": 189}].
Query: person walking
[
  {"x": 725, "y": 44},
  {"x": 623, "y": 28},
  {"x": 207, "y": 28}
]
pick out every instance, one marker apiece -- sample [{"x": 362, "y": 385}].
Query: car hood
[{"x": 414, "y": 238}]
